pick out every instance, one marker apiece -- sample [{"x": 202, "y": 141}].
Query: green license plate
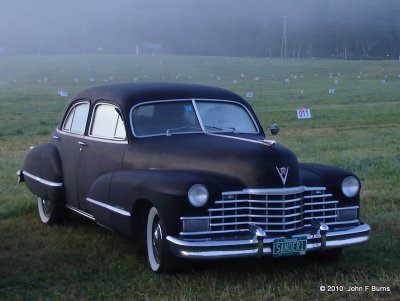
[{"x": 289, "y": 246}]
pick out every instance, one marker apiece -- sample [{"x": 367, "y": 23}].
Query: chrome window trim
[
  {"x": 193, "y": 101},
  {"x": 105, "y": 140},
  {"x": 67, "y": 115},
  {"x": 109, "y": 207},
  {"x": 196, "y": 110},
  {"x": 43, "y": 181},
  {"x": 69, "y": 134},
  {"x": 100, "y": 138},
  {"x": 92, "y": 138}
]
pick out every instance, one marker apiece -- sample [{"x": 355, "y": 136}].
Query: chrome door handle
[
  {"x": 56, "y": 137},
  {"x": 82, "y": 143}
]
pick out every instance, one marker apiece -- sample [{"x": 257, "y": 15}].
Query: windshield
[
  {"x": 180, "y": 117},
  {"x": 225, "y": 117}
]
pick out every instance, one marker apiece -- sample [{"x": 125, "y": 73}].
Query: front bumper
[{"x": 255, "y": 246}]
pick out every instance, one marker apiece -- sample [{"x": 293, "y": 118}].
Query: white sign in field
[
  {"x": 62, "y": 93},
  {"x": 303, "y": 113}
]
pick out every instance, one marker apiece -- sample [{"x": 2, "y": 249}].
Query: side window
[
  {"x": 107, "y": 123},
  {"x": 77, "y": 118}
]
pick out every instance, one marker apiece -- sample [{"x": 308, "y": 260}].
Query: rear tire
[
  {"x": 160, "y": 258},
  {"x": 50, "y": 212}
]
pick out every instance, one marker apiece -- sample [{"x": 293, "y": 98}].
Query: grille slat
[
  {"x": 275, "y": 211},
  {"x": 283, "y": 211}
]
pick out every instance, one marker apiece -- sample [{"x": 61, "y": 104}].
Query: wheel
[
  {"x": 160, "y": 258},
  {"x": 49, "y": 212}
]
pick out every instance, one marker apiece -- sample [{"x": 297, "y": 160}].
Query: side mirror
[{"x": 274, "y": 129}]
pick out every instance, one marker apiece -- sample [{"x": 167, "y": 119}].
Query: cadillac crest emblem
[{"x": 283, "y": 173}]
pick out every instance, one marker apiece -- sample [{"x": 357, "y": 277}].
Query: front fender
[
  {"x": 165, "y": 189},
  {"x": 331, "y": 177}
]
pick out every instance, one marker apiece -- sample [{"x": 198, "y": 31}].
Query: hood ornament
[{"x": 283, "y": 173}]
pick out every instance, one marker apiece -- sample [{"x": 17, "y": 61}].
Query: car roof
[{"x": 129, "y": 94}]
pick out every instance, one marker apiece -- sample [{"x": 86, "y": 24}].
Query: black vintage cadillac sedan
[{"x": 188, "y": 171}]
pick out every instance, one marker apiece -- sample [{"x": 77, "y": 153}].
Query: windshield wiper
[
  {"x": 169, "y": 132},
  {"x": 233, "y": 130}
]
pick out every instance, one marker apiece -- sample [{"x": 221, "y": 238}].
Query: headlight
[
  {"x": 350, "y": 186},
  {"x": 198, "y": 195}
]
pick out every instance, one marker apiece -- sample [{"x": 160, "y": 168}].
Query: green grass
[{"x": 358, "y": 128}]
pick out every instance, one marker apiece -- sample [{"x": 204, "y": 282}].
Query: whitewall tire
[
  {"x": 160, "y": 258},
  {"x": 49, "y": 212}
]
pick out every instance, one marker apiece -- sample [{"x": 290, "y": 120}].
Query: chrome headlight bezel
[
  {"x": 350, "y": 186},
  {"x": 198, "y": 195}
]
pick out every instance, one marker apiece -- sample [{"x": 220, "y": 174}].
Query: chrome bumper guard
[{"x": 260, "y": 244}]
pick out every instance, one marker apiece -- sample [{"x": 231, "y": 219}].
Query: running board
[{"x": 87, "y": 215}]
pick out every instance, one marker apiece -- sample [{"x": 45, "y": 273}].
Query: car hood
[{"x": 255, "y": 163}]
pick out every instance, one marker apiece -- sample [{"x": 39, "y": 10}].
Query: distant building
[{"x": 151, "y": 48}]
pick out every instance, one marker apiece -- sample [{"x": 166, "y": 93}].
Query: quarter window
[
  {"x": 107, "y": 123},
  {"x": 77, "y": 118}
]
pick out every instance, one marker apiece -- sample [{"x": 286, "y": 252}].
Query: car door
[
  {"x": 68, "y": 139},
  {"x": 102, "y": 153}
]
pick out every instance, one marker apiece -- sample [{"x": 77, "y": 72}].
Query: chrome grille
[{"x": 276, "y": 211}]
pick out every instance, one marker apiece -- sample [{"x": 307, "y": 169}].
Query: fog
[{"x": 324, "y": 28}]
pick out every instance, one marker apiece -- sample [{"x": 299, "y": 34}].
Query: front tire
[
  {"x": 160, "y": 258},
  {"x": 50, "y": 213}
]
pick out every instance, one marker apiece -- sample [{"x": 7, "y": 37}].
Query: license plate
[{"x": 289, "y": 246}]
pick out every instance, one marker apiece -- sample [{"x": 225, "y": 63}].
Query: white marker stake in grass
[
  {"x": 331, "y": 91},
  {"x": 249, "y": 94},
  {"x": 62, "y": 93},
  {"x": 303, "y": 113}
]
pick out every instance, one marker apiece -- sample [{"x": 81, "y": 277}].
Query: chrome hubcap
[
  {"x": 46, "y": 205},
  {"x": 157, "y": 240}
]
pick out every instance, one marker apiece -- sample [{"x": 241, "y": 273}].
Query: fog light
[
  {"x": 346, "y": 215},
  {"x": 196, "y": 225}
]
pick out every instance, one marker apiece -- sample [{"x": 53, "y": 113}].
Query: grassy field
[{"x": 357, "y": 127}]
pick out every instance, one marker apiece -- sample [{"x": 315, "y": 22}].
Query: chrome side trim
[
  {"x": 40, "y": 180},
  {"x": 87, "y": 215},
  {"x": 109, "y": 207}
]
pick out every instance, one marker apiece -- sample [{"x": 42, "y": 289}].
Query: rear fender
[{"x": 42, "y": 172}]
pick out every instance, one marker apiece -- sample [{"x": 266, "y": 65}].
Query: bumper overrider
[{"x": 259, "y": 244}]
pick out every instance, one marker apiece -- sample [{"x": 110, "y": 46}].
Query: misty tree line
[
  {"x": 344, "y": 29},
  {"x": 365, "y": 29}
]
